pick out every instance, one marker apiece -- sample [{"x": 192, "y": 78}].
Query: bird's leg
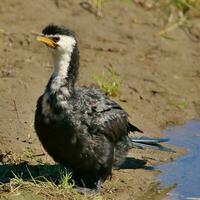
[
  {"x": 80, "y": 189},
  {"x": 88, "y": 184},
  {"x": 98, "y": 187},
  {"x": 84, "y": 190}
]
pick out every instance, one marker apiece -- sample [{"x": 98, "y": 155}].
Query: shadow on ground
[
  {"x": 49, "y": 172},
  {"x": 28, "y": 172}
]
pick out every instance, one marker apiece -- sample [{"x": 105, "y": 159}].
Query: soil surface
[{"x": 159, "y": 77}]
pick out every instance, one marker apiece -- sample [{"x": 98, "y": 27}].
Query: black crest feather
[{"x": 53, "y": 30}]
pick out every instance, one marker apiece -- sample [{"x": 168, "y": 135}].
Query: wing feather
[{"x": 106, "y": 116}]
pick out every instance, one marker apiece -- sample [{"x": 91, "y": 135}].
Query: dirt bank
[{"x": 159, "y": 77}]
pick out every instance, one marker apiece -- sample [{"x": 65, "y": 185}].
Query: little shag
[{"x": 81, "y": 128}]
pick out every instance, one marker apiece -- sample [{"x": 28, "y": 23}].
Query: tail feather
[
  {"x": 147, "y": 140},
  {"x": 133, "y": 128},
  {"x": 152, "y": 143}
]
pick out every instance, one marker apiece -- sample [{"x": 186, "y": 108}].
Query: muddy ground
[{"x": 159, "y": 77}]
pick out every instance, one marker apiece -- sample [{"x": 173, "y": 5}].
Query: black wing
[{"x": 108, "y": 117}]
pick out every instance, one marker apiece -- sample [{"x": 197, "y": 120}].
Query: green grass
[
  {"x": 185, "y": 5},
  {"x": 180, "y": 8},
  {"x": 42, "y": 188},
  {"x": 65, "y": 182},
  {"x": 182, "y": 105},
  {"x": 177, "y": 13},
  {"x": 41, "y": 183},
  {"x": 109, "y": 82}
]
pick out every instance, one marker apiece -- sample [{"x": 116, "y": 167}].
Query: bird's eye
[{"x": 55, "y": 39}]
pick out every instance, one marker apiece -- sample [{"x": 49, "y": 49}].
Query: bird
[{"x": 80, "y": 128}]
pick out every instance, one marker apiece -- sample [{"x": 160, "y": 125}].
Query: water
[{"x": 184, "y": 172}]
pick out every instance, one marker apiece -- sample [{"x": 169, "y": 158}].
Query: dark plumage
[
  {"x": 53, "y": 30},
  {"x": 80, "y": 128}
]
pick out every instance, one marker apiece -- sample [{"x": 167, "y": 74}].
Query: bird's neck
[{"x": 65, "y": 73}]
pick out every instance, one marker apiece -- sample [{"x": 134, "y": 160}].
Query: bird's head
[
  {"x": 64, "y": 48},
  {"x": 59, "y": 39}
]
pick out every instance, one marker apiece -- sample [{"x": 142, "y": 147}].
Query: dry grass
[{"x": 43, "y": 188}]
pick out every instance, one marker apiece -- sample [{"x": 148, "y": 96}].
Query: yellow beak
[{"x": 49, "y": 42}]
